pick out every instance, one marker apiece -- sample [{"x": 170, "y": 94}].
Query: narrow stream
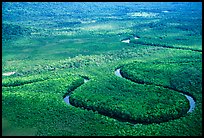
[
  {"x": 190, "y": 99},
  {"x": 117, "y": 73},
  {"x": 66, "y": 99}
]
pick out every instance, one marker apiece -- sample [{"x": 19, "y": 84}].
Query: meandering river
[
  {"x": 66, "y": 99},
  {"x": 190, "y": 99},
  {"x": 117, "y": 73}
]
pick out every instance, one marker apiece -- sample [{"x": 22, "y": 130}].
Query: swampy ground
[{"x": 48, "y": 49}]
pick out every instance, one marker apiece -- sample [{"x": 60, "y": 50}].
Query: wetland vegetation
[{"x": 74, "y": 48}]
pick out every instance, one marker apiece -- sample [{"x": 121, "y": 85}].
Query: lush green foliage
[
  {"x": 17, "y": 81},
  {"x": 10, "y": 31},
  {"x": 132, "y": 102},
  {"x": 52, "y": 47},
  {"x": 178, "y": 74}
]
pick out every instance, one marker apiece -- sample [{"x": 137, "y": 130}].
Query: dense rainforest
[{"x": 101, "y": 69}]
